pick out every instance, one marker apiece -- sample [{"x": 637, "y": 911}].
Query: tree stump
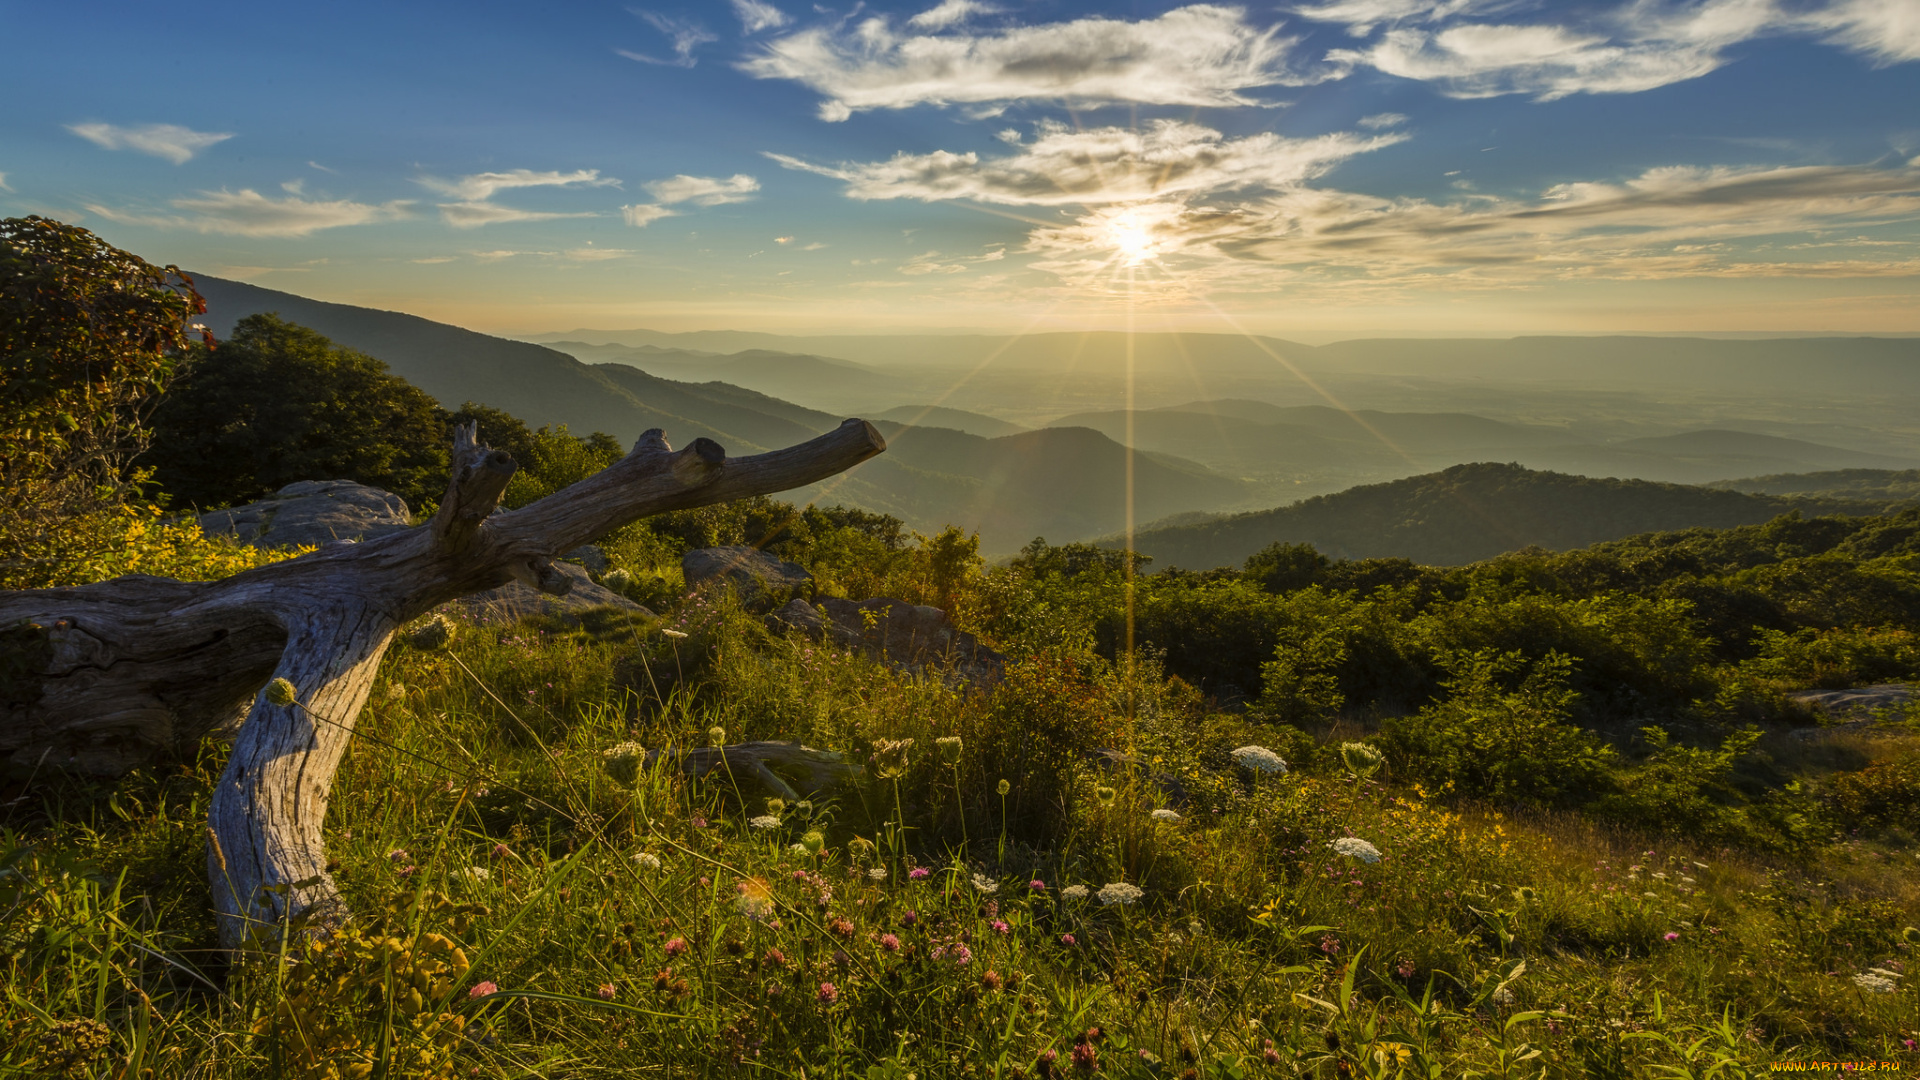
[{"x": 101, "y": 678}]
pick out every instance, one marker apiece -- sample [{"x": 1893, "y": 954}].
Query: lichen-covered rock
[
  {"x": 516, "y": 601},
  {"x": 758, "y": 577},
  {"x": 310, "y": 513},
  {"x": 909, "y": 637}
]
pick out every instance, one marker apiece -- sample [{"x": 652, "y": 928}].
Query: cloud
[
  {"x": 472, "y": 206},
  {"x": 1102, "y": 165},
  {"x": 756, "y": 15},
  {"x": 248, "y": 213},
  {"x": 951, "y": 13},
  {"x": 929, "y": 263},
  {"x": 596, "y": 254},
  {"x": 1361, "y": 16},
  {"x": 1383, "y": 120},
  {"x": 1888, "y": 31},
  {"x": 1199, "y": 55},
  {"x": 645, "y": 214},
  {"x": 704, "y": 190},
  {"x": 685, "y": 34},
  {"x": 171, "y": 141},
  {"x": 3, "y": 182}
]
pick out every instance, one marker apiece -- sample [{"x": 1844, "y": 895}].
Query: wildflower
[
  {"x": 797, "y": 849},
  {"x": 775, "y": 958},
  {"x": 755, "y": 900},
  {"x": 986, "y": 885},
  {"x": 1271, "y": 1055},
  {"x": 675, "y": 634},
  {"x": 992, "y": 980},
  {"x": 1329, "y": 944},
  {"x": 675, "y": 947},
  {"x": 1877, "y": 984},
  {"x": 646, "y": 860},
  {"x": 1068, "y": 939},
  {"x": 962, "y": 956},
  {"x": 878, "y": 873},
  {"x": 1405, "y": 970},
  {"x": 918, "y": 872},
  {"x": 473, "y": 873},
  {"x": 813, "y": 841},
  {"x": 622, "y": 761},
  {"x": 1355, "y": 848},
  {"x": 1360, "y": 759},
  {"x": 1003, "y": 787},
  {"x": 842, "y": 927},
  {"x": 1037, "y": 885},
  {"x": 1000, "y": 926},
  {"x": 910, "y": 918},
  {"x": 764, "y": 821},
  {"x": 605, "y": 993},
  {"x": 1074, "y": 892},
  {"x": 1671, "y": 935},
  {"x": 1119, "y": 892},
  {"x": 1502, "y": 995},
  {"x": 398, "y": 854},
  {"x": 890, "y": 758},
  {"x": 1105, "y": 794},
  {"x": 829, "y": 993},
  {"x": 890, "y": 942},
  {"x": 1259, "y": 759},
  {"x": 716, "y": 736},
  {"x": 1884, "y": 972},
  {"x": 949, "y": 748},
  {"x": 481, "y": 990},
  {"x": 1085, "y": 1057},
  {"x": 501, "y": 851},
  {"x": 280, "y": 692}
]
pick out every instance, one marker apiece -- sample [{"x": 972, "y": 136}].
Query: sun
[{"x": 1130, "y": 235}]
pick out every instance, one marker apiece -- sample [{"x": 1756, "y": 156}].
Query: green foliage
[
  {"x": 1505, "y": 742},
  {"x": 1879, "y": 796},
  {"x": 279, "y": 403},
  {"x": 1283, "y": 567},
  {"x": 89, "y": 335}
]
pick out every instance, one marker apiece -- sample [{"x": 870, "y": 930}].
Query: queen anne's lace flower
[
  {"x": 1074, "y": 892},
  {"x": 878, "y": 873},
  {"x": 985, "y": 884},
  {"x": 473, "y": 873},
  {"x": 1119, "y": 892},
  {"x": 1259, "y": 759},
  {"x": 1164, "y": 815},
  {"x": 1875, "y": 984},
  {"x": 764, "y": 821},
  {"x": 1355, "y": 848},
  {"x": 646, "y": 860}
]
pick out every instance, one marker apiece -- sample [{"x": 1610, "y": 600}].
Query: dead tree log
[{"x": 101, "y": 678}]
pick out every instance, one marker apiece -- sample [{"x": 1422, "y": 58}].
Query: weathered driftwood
[
  {"x": 763, "y": 762},
  {"x": 117, "y": 672}
]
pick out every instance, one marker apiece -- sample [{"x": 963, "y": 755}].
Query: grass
[{"x": 643, "y": 926}]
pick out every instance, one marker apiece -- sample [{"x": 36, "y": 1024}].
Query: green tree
[
  {"x": 279, "y": 403},
  {"x": 1282, "y": 567},
  {"x": 89, "y": 335}
]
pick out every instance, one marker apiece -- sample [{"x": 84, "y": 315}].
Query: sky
[{"x": 1347, "y": 167}]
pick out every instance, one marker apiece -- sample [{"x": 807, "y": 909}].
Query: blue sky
[{"x": 1338, "y": 166}]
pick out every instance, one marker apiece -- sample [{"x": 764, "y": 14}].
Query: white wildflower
[
  {"x": 1074, "y": 892},
  {"x": 985, "y": 884},
  {"x": 1259, "y": 759},
  {"x": 878, "y": 873},
  {"x": 1883, "y": 973},
  {"x": 473, "y": 873},
  {"x": 798, "y": 849},
  {"x": 1502, "y": 995},
  {"x": 1164, "y": 815},
  {"x": 1658, "y": 876},
  {"x": 1877, "y": 984},
  {"x": 646, "y": 860},
  {"x": 1119, "y": 892},
  {"x": 764, "y": 821},
  {"x": 1355, "y": 848},
  {"x": 675, "y": 633}
]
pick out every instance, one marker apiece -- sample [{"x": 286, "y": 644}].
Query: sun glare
[{"x": 1129, "y": 234}]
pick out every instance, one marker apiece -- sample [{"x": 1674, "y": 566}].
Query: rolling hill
[
  {"x": 1472, "y": 512},
  {"x": 1869, "y": 484},
  {"x": 972, "y": 423}
]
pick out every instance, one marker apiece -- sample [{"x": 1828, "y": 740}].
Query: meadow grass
[{"x": 527, "y": 907}]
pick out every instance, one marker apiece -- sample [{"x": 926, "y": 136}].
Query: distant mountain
[
  {"x": 972, "y": 423},
  {"x": 1472, "y": 512},
  {"x": 1703, "y": 456},
  {"x": 801, "y": 377},
  {"x": 1868, "y": 484}
]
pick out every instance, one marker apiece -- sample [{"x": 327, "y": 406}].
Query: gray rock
[
  {"x": 514, "y": 601},
  {"x": 1856, "y": 701},
  {"x": 589, "y": 556},
  {"x": 758, "y": 577},
  {"x": 312, "y": 512},
  {"x": 908, "y": 637}
]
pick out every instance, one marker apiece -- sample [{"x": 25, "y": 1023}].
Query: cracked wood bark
[{"x": 118, "y": 672}]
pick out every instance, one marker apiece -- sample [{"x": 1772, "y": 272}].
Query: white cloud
[
  {"x": 644, "y": 214},
  {"x": 929, "y": 263},
  {"x": 3, "y": 182},
  {"x": 1361, "y": 16},
  {"x": 757, "y": 15},
  {"x": 596, "y": 254},
  {"x": 1547, "y": 61},
  {"x": 685, "y": 34},
  {"x": 171, "y": 141},
  {"x": 248, "y": 213},
  {"x": 472, "y": 206},
  {"x": 1200, "y": 55},
  {"x": 704, "y": 190},
  {"x": 1383, "y": 120},
  {"x": 1886, "y": 30},
  {"x": 951, "y": 13},
  {"x": 1102, "y": 165}
]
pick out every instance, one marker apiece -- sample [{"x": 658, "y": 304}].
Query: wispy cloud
[
  {"x": 1200, "y": 55},
  {"x": 757, "y": 15},
  {"x": 1383, "y": 120},
  {"x": 472, "y": 204},
  {"x": 951, "y": 13},
  {"x": 171, "y": 141},
  {"x": 685, "y": 34},
  {"x": 697, "y": 190},
  {"x": 1888, "y": 31},
  {"x": 248, "y": 213},
  {"x": 1102, "y": 165},
  {"x": 1362, "y": 16},
  {"x": 3, "y": 182}
]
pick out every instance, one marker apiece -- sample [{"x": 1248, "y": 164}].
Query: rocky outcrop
[
  {"x": 908, "y": 637},
  {"x": 1857, "y": 701},
  {"x": 760, "y": 579},
  {"x": 311, "y": 513},
  {"x": 514, "y": 600}
]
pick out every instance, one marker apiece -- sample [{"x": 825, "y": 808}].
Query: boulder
[
  {"x": 1856, "y": 701},
  {"x": 758, "y": 577},
  {"x": 908, "y": 637},
  {"x": 589, "y": 556},
  {"x": 310, "y": 513},
  {"x": 514, "y": 601}
]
